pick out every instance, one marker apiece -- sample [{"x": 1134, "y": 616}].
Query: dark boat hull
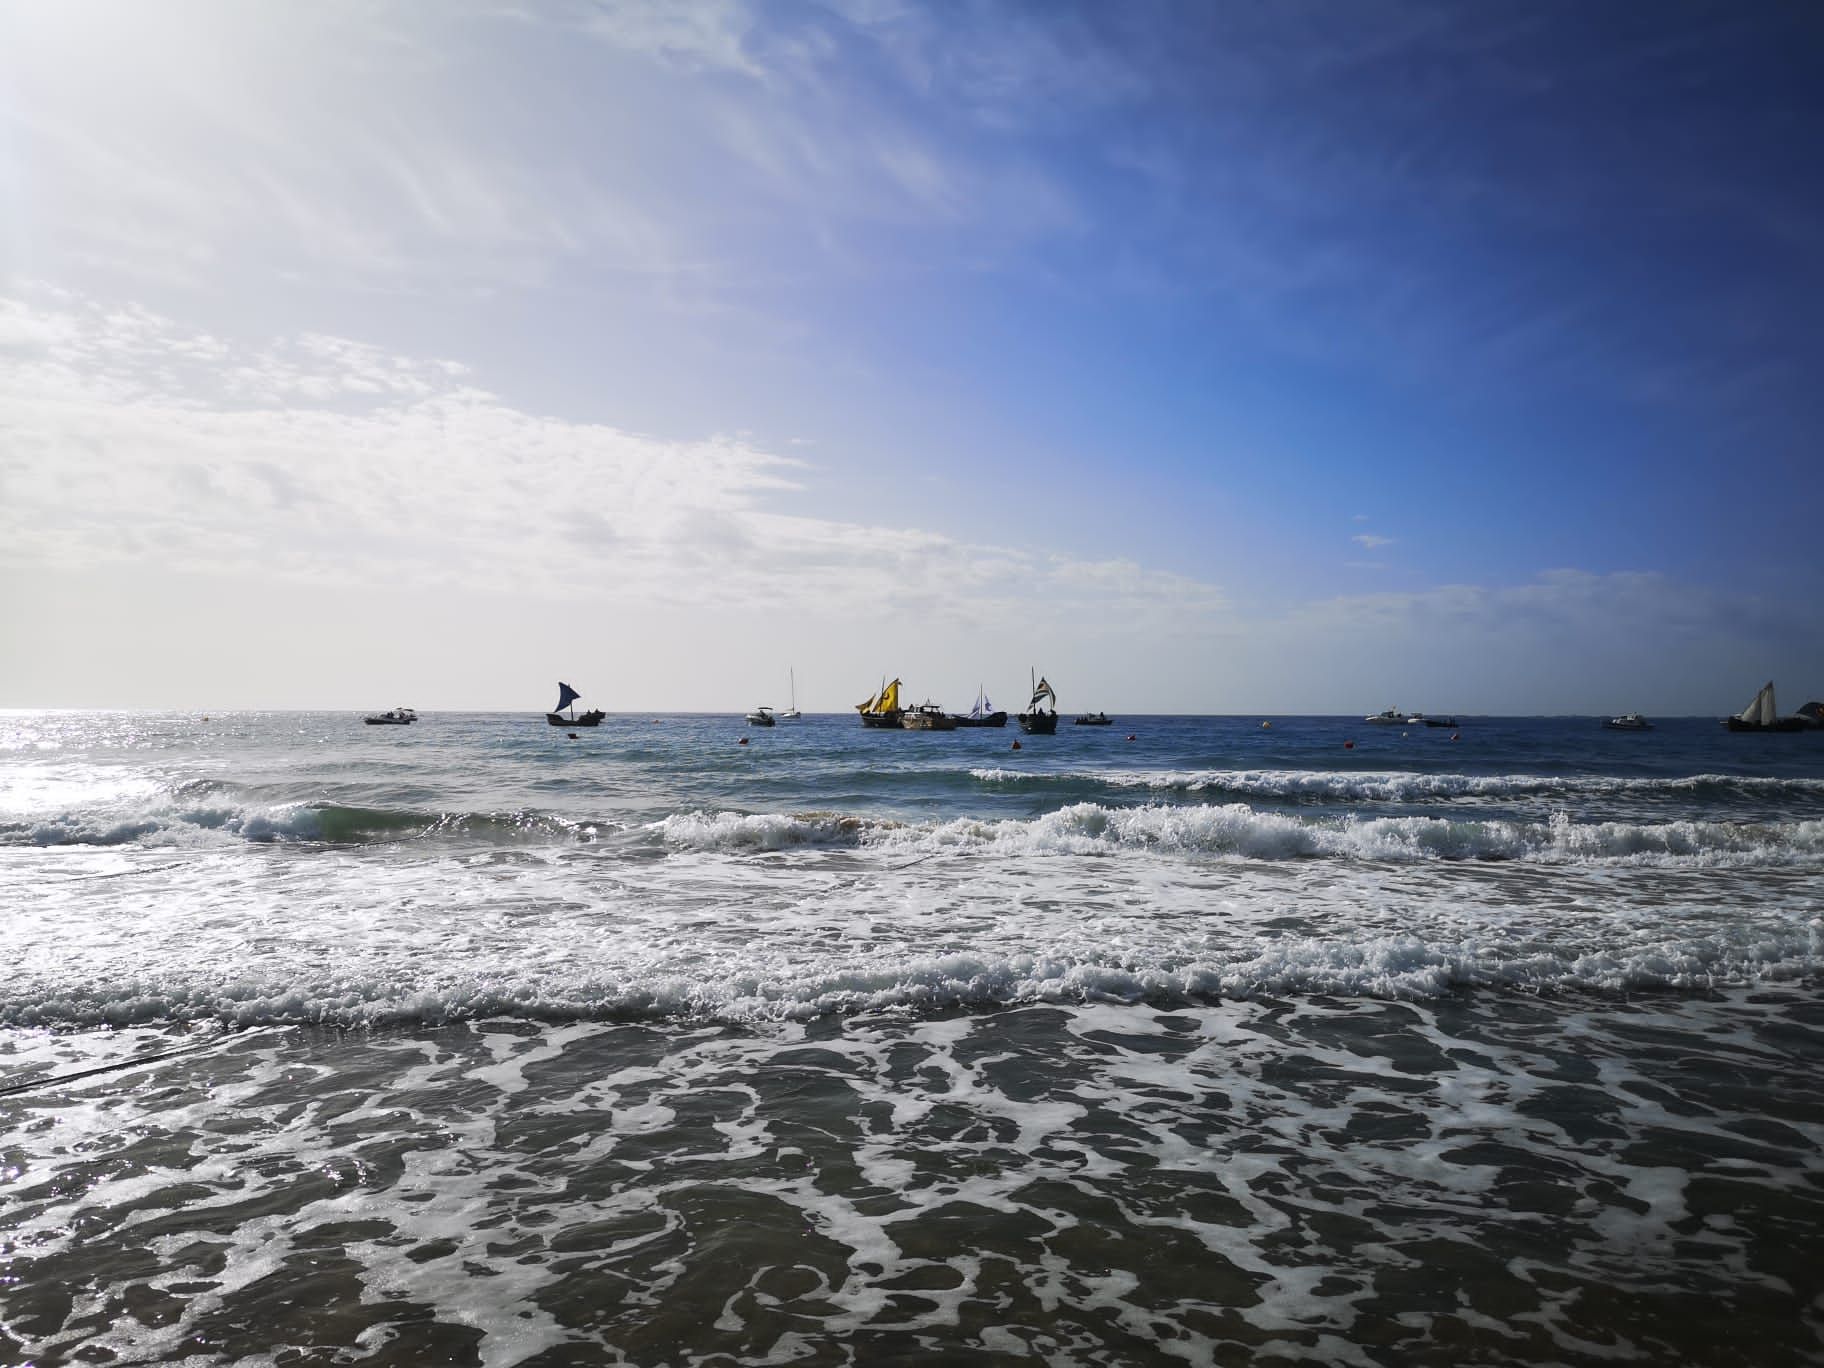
[
  {"x": 886, "y": 721},
  {"x": 1784, "y": 724},
  {"x": 1039, "y": 724},
  {"x": 1094, "y": 720},
  {"x": 592, "y": 718},
  {"x": 390, "y": 721},
  {"x": 1440, "y": 721},
  {"x": 994, "y": 719}
]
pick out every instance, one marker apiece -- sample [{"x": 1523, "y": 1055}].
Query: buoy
[
  {"x": 1266, "y": 726},
  {"x": 571, "y": 735},
  {"x": 1016, "y": 745},
  {"x": 1456, "y": 736},
  {"x": 1130, "y": 736},
  {"x": 1348, "y": 745},
  {"x": 742, "y": 741},
  {"x": 1405, "y": 734}
]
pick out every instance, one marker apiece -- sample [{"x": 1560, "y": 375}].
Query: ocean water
[{"x": 1181, "y": 1041}]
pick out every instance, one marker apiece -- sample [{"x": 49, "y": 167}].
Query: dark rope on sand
[
  {"x": 854, "y": 879},
  {"x": 118, "y": 874},
  {"x": 53, "y": 1080}
]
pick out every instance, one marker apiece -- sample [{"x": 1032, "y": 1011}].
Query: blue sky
[{"x": 1216, "y": 357}]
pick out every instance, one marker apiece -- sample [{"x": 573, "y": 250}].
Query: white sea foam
[
  {"x": 1394, "y": 967},
  {"x": 1406, "y": 785},
  {"x": 1239, "y": 831}
]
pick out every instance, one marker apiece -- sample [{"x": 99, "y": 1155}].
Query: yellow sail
[{"x": 889, "y": 698}]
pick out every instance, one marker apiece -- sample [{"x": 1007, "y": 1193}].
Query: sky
[{"x": 1204, "y": 357}]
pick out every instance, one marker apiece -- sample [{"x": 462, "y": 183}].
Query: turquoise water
[{"x": 1181, "y": 1040}]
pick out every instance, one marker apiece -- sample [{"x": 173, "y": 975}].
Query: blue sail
[{"x": 565, "y": 696}]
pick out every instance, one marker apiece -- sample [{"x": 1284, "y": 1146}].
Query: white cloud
[
  {"x": 1370, "y": 541},
  {"x": 320, "y": 459}
]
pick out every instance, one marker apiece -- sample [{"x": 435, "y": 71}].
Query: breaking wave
[
  {"x": 183, "y": 824},
  {"x": 1399, "y": 786},
  {"x": 1387, "y": 967},
  {"x": 1236, "y": 830}
]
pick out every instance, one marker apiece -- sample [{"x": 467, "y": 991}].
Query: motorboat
[
  {"x": 761, "y": 716},
  {"x": 1390, "y": 717},
  {"x": 566, "y": 700},
  {"x": 1441, "y": 722},
  {"x": 393, "y": 717},
  {"x": 1628, "y": 722},
  {"x": 927, "y": 717},
  {"x": 1095, "y": 719}
]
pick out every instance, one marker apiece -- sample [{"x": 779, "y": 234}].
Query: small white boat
[
  {"x": 1392, "y": 717},
  {"x": 760, "y": 717},
  {"x": 792, "y": 714},
  {"x": 396, "y": 717},
  {"x": 1628, "y": 722}
]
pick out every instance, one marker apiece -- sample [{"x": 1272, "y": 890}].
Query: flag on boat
[{"x": 1043, "y": 690}]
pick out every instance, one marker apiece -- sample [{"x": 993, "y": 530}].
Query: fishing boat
[
  {"x": 1628, "y": 722},
  {"x": 1441, "y": 722},
  {"x": 761, "y": 716},
  {"x": 395, "y": 717},
  {"x": 983, "y": 714},
  {"x": 927, "y": 716},
  {"x": 882, "y": 710},
  {"x": 1390, "y": 717},
  {"x": 566, "y": 714},
  {"x": 791, "y": 714},
  {"x": 1762, "y": 715},
  {"x": 1037, "y": 721},
  {"x": 1095, "y": 719}
]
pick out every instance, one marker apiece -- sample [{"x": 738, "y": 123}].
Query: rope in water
[{"x": 134, "y": 1063}]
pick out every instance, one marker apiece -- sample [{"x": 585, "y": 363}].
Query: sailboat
[
  {"x": 1038, "y": 721},
  {"x": 566, "y": 698},
  {"x": 882, "y": 710},
  {"x": 983, "y": 714},
  {"x": 792, "y": 714},
  {"x": 1762, "y": 715}
]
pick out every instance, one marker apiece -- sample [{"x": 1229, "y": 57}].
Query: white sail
[{"x": 1761, "y": 711}]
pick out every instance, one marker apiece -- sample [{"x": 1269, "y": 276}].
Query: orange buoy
[
  {"x": 1456, "y": 736},
  {"x": 742, "y": 741},
  {"x": 1130, "y": 736},
  {"x": 1348, "y": 745},
  {"x": 1016, "y": 744}
]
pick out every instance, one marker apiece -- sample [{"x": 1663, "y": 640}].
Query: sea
[{"x": 675, "y": 1041}]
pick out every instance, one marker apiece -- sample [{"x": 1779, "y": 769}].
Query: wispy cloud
[
  {"x": 322, "y": 459},
  {"x": 1371, "y": 541}
]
